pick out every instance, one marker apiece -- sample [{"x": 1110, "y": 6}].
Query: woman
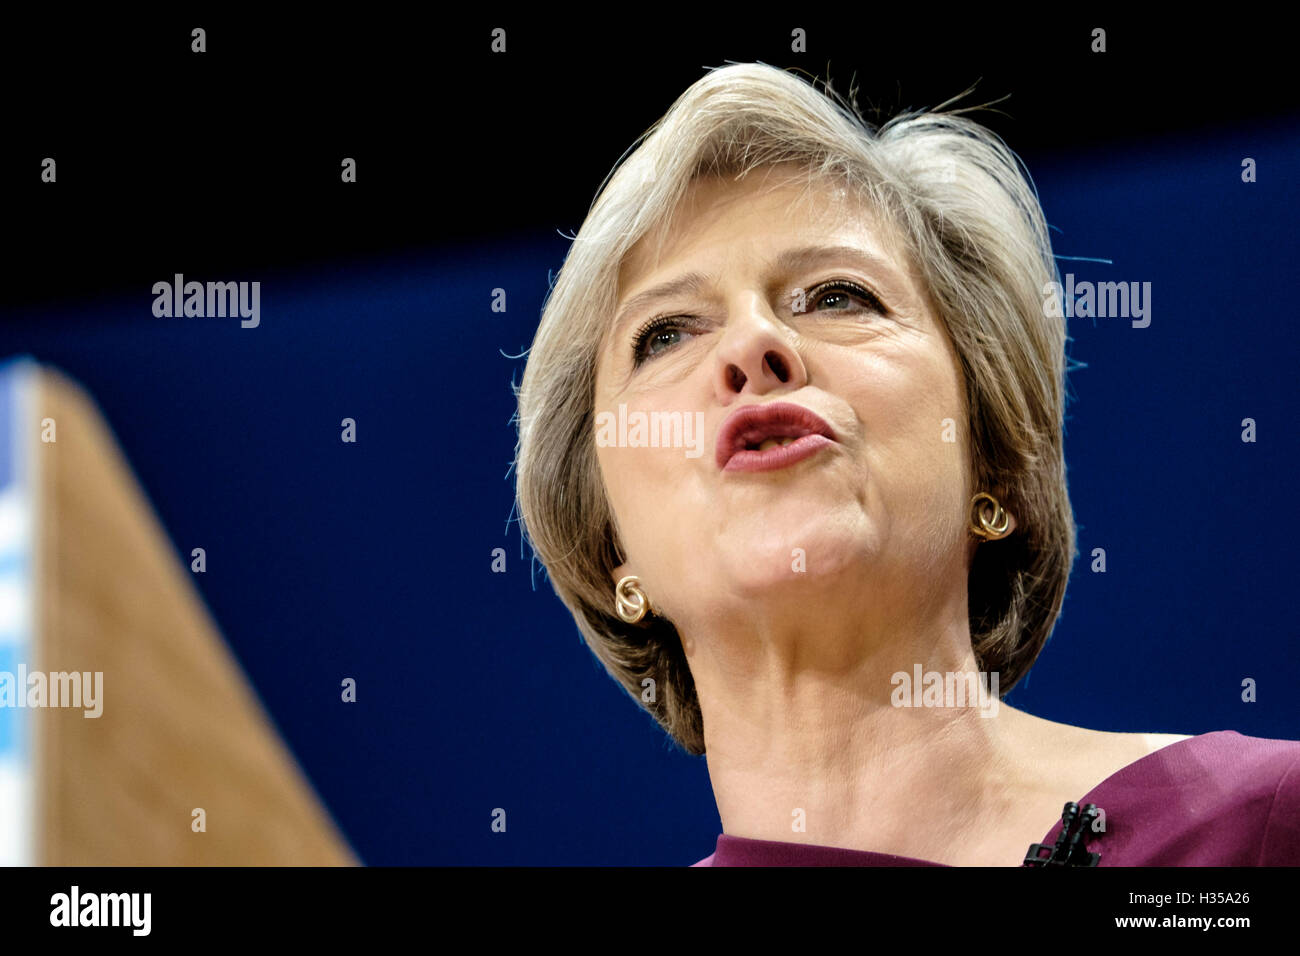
[{"x": 791, "y": 451}]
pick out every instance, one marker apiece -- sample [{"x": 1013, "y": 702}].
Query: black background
[{"x": 231, "y": 157}]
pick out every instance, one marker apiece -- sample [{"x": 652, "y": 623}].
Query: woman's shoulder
[
  {"x": 1224, "y": 752},
  {"x": 1216, "y": 799}
]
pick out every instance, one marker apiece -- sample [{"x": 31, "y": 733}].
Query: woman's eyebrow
[
  {"x": 792, "y": 260},
  {"x": 805, "y": 257},
  {"x": 691, "y": 283}
]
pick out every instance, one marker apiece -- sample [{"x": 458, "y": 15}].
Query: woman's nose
[{"x": 756, "y": 352}]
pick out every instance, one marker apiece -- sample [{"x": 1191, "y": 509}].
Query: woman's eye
[
  {"x": 662, "y": 339},
  {"x": 664, "y": 333},
  {"x": 657, "y": 337},
  {"x": 839, "y": 296}
]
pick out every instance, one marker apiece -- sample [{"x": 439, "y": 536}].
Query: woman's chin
[{"x": 767, "y": 568}]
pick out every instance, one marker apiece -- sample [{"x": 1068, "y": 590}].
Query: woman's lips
[
  {"x": 782, "y": 456},
  {"x": 745, "y": 440}
]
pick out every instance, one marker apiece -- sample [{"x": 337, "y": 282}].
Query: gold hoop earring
[
  {"x": 990, "y": 527},
  {"x": 630, "y": 601}
]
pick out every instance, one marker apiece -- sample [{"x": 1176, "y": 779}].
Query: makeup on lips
[{"x": 770, "y": 436}]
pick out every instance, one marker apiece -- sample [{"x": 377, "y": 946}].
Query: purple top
[{"x": 1217, "y": 799}]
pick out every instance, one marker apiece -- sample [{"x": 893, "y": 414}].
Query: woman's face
[{"x": 881, "y": 505}]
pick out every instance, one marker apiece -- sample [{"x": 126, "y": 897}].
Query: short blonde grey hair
[{"x": 970, "y": 223}]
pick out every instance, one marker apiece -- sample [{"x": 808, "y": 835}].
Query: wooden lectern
[{"x": 102, "y": 590}]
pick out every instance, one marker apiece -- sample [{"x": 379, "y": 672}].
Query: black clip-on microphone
[{"x": 1069, "y": 849}]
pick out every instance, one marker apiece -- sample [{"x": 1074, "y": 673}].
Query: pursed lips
[{"x": 762, "y": 437}]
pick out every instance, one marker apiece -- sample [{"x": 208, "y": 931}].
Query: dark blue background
[{"x": 329, "y": 560}]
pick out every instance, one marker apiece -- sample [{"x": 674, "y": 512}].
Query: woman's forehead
[{"x": 775, "y": 208}]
